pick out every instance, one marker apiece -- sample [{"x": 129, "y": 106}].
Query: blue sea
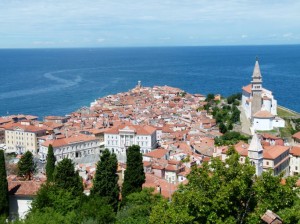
[{"x": 58, "y": 81}]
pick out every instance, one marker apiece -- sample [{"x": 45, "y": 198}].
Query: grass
[
  {"x": 273, "y": 132},
  {"x": 287, "y": 131},
  {"x": 284, "y": 113}
]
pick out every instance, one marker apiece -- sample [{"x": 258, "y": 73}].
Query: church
[{"x": 260, "y": 105}]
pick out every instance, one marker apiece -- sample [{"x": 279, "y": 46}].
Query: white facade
[
  {"x": 118, "y": 140},
  {"x": 255, "y": 154},
  {"x": 263, "y": 103},
  {"x": 19, "y": 206},
  {"x": 72, "y": 148},
  {"x": 267, "y": 123},
  {"x": 295, "y": 161}
]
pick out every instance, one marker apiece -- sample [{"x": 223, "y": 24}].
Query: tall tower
[
  {"x": 255, "y": 154},
  {"x": 256, "y": 89}
]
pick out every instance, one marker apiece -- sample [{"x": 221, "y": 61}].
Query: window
[
  {"x": 267, "y": 163},
  {"x": 296, "y": 168}
]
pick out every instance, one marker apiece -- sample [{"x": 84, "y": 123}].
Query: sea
[{"x": 59, "y": 81}]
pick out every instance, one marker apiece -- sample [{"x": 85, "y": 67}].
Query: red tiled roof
[
  {"x": 295, "y": 151},
  {"x": 27, "y": 188},
  {"x": 263, "y": 114},
  {"x": 272, "y": 152},
  {"x": 247, "y": 88},
  {"x": 297, "y": 135},
  {"x": 157, "y": 153}
]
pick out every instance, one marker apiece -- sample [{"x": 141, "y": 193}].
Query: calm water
[{"x": 59, "y": 81}]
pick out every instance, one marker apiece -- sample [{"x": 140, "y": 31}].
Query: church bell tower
[{"x": 256, "y": 89}]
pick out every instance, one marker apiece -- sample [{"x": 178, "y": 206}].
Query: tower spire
[{"x": 256, "y": 70}]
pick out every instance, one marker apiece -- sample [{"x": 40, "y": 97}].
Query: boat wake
[{"x": 60, "y": 83}]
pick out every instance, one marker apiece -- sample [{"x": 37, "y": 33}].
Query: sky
[{"x": 134, "y": 23}]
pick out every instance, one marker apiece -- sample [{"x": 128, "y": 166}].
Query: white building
[
  {"x": 118, "y": 139},
  {"x": 259, "y": 104},
  {"x": 277, "y": 159},
  {"x": 255, "y": 154},
  {"x": 21, "y": 195},
  {"x": 295, "y": 160},
  {"x": 74, "y": 147}
]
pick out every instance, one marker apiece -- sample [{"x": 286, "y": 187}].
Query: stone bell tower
[{"x": 256, "y": 89}]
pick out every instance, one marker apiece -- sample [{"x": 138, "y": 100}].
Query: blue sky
[{"x": 113, "y": 23}]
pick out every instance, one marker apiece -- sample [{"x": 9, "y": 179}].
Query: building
[
  {"x": 21, "y": 195},
  {"x": 56, "y": 119},
  {"x": 73, "y": 147},
  {"x": 277, "y": 159},
  {"x": 255, "y": 154},
  {"x": 22, "y": 137},
  {"x": 296, "y": 138},
  {"x": 294, "y": 160},
  {"x": 259, "y": 104},
  {"x": 118, "y": 139}
]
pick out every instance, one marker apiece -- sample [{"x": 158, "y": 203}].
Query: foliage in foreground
[
  {"x": 50, "y": 165},
  {"x": 26, "y": 166},
  {"x": 216, "y": 193},
  {"x": 229, "y": 193},
  {"x": 134, "y": 176},
  {"x": 4, "y": 205},
  {"x": 106, "y": 179}
]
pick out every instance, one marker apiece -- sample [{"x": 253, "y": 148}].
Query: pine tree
[
  {"x": 134, "y": 173},
  {"x": 3, "y": 187},
  {"x": 106, "y": 178},
  {"x": 65, "y": 177},
  {"x": 26, "y": 165},
  {"x": 222, "y": 128},
  {"x": 50, "y": 166}
]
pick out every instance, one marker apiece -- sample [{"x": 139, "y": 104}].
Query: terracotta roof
[
  {"x": 269, "y": 136},
  {"x": 27, "y": 128},
  {"x": 297, "y": 135},
  {"x": 263, "y": 114},
  {"x": 247, "y": 88},
  {"x": 67, "y": 141},
  {"x": 295, "y": 151},
  {"x": 27, "y": 188},
  {"x": 242, "y": 148},
  {"x": 272, "y": 152},
  {"x": 157, "y": 153}
]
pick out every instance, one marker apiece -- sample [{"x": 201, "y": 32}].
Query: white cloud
[{"x": 244, "y": 36}]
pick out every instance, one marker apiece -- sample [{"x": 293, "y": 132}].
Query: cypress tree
[
  {"x": 50, "y": 166},
  {"x": 134, "y": 173},
  {"x": 3, "y": 187},
  {"x": 65, "y": 177},
  {"x": 106, "y": 178},
  {"x": 26, "y": 165}
]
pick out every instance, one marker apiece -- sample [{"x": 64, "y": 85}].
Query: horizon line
[{"x": 150, "y": 46}]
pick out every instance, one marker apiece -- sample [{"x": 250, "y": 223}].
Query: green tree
[
  {"x": 216, "y": 193},
  {"x": 210, "y": 97},
  {"x": 49, "y": 216},
  {"x": 134, "y": 176},
  {"x": 96, "y": 210},
  {"x": 50, "y": 166},
  {"x": 52, "y": 196},
  {"x": 222, "y": 128},
  {"x": 138, "y": 207},
  {"x": 26, "y": 166},
  {"x": 106, "y": 178},
  {"x": 3, "y": 187},
  {"x": 272, "y": 194},
  {"x": 65, "y": 177}
]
